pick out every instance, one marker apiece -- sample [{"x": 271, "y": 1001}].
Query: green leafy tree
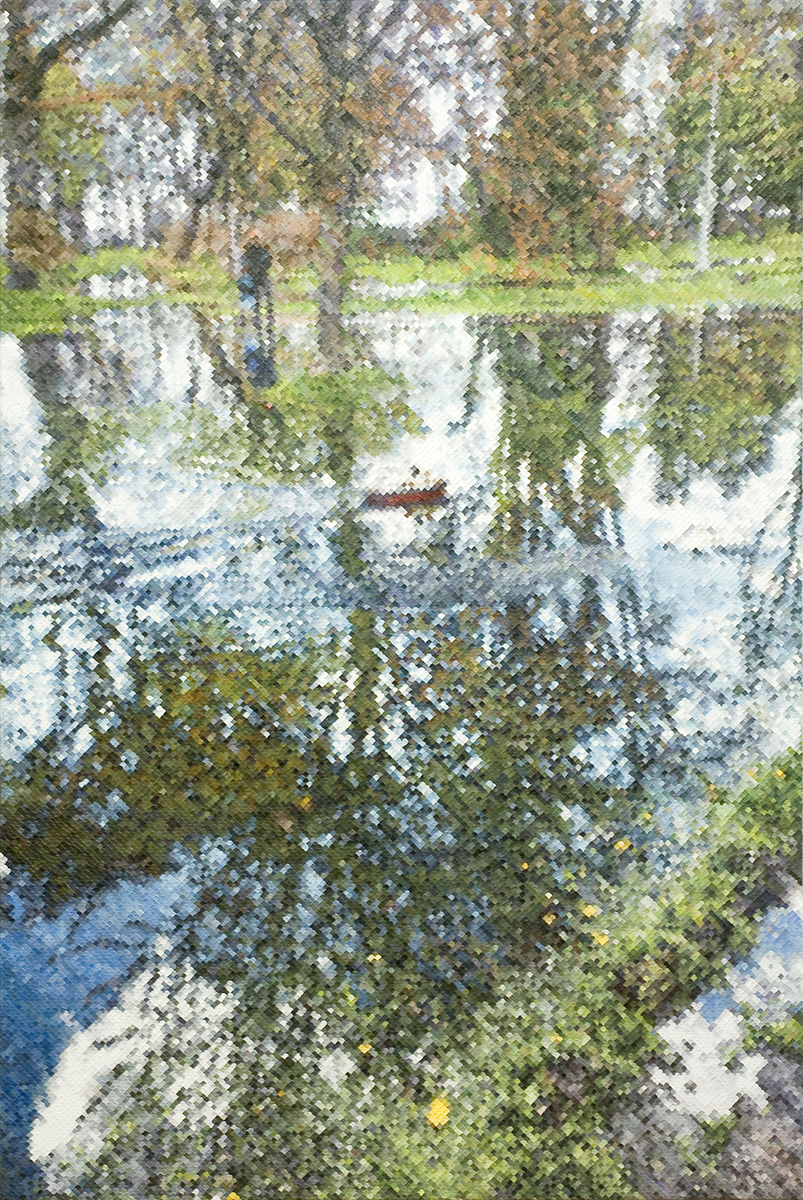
[
  {"x": 355, "y": 67},
  {"x": 26, "y": 66},
  {"x": 734, "y": 117}
]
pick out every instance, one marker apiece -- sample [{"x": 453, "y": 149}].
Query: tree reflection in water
[{"x": 416, "y": 842}]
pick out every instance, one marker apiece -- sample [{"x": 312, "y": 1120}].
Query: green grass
[
  {"x": 202, "y": 283},
  {"x": 102, "y": 262},
  {"x": 591, "y": 295},
  {"x": 788, "y": 248},
  {"x": 488, "y": 285},
  {"x": 679, "y": 286},
  {"x": 474, "y": 264},
  {"x": 395, "y": 271}
]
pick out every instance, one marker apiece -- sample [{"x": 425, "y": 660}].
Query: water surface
[{"x": 223, "y": 664}]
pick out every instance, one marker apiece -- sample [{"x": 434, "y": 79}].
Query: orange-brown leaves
[{"x": 558, "y": 80}]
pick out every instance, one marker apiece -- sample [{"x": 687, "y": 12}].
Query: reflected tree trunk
[
  {"x": 65, "y": 502},
  {"x": 190, "y": 227}
]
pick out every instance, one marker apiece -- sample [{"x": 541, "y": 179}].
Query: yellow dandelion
[
  {"x": 232, "y": 1196},
  {"x": 280, "y": 1093},
  {"x": 550, "y": 917},
  {"x": 525, "y": 866},
  {"x": 439, "y": 1111},
  {"x": 646, "y": 816},
  {"x": 364, "y": 1047},
  {"x": 374, "y": 958},
  {"x": 623, "y": 844},
  {"x": 555, "y": 1037},
  {"x": 602, "y": 938},
  {"x": 590, "y": 910},
  {"x": 305, "y": 802},
  {"x": 781, "y": 774}
]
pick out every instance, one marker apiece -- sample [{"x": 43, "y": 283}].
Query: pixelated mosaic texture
[{"x": 401, "y": 710}]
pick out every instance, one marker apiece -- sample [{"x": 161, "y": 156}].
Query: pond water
[{"x": 254, "y": 720}]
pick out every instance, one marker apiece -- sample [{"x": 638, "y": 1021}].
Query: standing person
[{"x": 254, "y": 285}]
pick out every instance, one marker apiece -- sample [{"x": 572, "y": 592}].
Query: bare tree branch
[
  {"x": 393, "y": 18},
  {"x": 300, "y": 147},
  {"x": 625, "y": 34},
  {"x": 80, "y": 39}
]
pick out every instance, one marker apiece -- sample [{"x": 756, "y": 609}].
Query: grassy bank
[
  {"x": 59, "y": 296},
  {"x": 763, "y": 273}
]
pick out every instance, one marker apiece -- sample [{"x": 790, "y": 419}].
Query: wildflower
[
  {"x": 590, "y": 910},
  {"x": 439, "y": 1111},
  {"x": 781, "y": 774},
  {"x": 550, "y": 917},
  {"x": 555, "y": 1037},
  {"x": 525, "y": 866},
  {"x": 602, "y": 938},
  {"x": 374, "y": 958},
  {"x": 364, "y": 1047},
  {"x": 623, "y": 844}
]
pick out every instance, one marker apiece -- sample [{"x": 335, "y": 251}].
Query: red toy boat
[{"x": 409, "y": 497}]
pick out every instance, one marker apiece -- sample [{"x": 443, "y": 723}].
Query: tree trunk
[
  {"x": 606, "y": 250},
  {"x": 331, "y": 330},
  {"x": 708, "y": 193},
  {"x": 22, "y": 193},
  {"x": 235, "y": 257},
  {"x": 189, "y": 228},
  {"x": 493, "y": 225},
  {"x": 20, "y": 131},
  {"x": 607, "y": 214},
  {"x": 71, "y": 223}
]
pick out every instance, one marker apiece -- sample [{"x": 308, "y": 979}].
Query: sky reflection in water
[{"x": 612, "y": 562}]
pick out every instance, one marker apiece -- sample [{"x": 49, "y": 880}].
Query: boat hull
[{"x": 412, "y": 498}]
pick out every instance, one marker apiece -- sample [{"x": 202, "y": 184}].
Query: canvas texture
[{"x": 401, "y": 600}]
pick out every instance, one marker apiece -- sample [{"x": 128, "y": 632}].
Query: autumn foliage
[{"x": 558, "y": 75}]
